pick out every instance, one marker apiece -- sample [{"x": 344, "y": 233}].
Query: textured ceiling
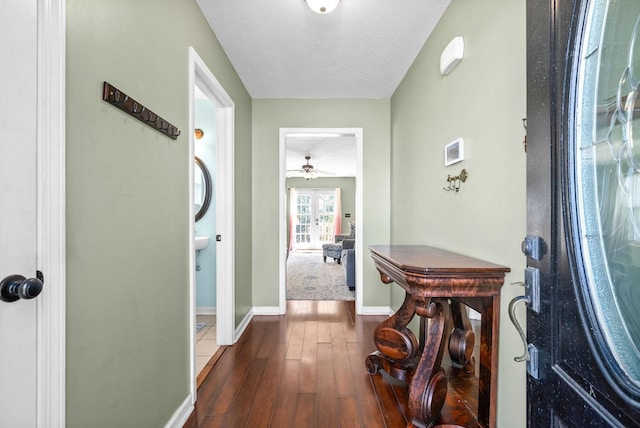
[
  {"x": 335, "y": 155},
  {"x": 282, "y": 49}
]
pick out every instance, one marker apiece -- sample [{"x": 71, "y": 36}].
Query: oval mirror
[{"x": 201, "y": 188}]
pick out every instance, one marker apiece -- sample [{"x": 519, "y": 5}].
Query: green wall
[
  {"x": 269, "y": 115},
  {"x": 127, "y": 214},
  {"x": 483, "y": 100}
]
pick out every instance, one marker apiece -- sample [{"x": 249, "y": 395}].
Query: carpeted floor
[{"x": 309, "y": 278}]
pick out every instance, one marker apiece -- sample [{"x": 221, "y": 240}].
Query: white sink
[{"x": 201, "y": 242}]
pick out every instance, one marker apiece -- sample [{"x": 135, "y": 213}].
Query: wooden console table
[{"x": 437, "y": 283}]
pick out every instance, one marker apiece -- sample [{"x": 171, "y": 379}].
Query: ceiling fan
[{"x": 307, "y": 171}]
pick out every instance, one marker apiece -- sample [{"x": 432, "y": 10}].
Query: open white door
[
  {"x": 18, "y": 112},
  {"x": 31, "y": 323}
]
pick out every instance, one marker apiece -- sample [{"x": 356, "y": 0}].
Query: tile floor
[{"x": 205, "y": 341}]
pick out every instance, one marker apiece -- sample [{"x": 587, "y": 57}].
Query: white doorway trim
[
  {"x": 51, "y": 243},
  {"x": 282, "y": 244},
  {"x": 200, "y": 75}
]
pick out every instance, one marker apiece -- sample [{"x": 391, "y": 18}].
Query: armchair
[
  {"x": 351, "y": 235},
  {"x": 341, "y": 242}
]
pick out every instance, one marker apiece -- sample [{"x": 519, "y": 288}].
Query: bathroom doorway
[
  {"x": 204, "y": 190},
  {"x": 211, "y": 255}
]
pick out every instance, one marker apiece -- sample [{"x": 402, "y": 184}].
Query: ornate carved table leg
[
  {"x": 462, "y": 339},
  {"x": 397, "y": 346},
  {"x": 428, "y": 388},
  {"x": 488, "y": 382}
]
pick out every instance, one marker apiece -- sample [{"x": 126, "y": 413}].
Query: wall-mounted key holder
[
  {"x": 124, "y": 102},
  {"x": 455, "y": 181}
]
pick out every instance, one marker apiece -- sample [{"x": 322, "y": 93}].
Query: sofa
[
  {"x": 348, "y": 256},
  {"x": 342, "y": 250},
  {"x": 349, "y": 264}
]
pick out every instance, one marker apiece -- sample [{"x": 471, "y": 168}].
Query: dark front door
[{"x": 583, "y": 205}]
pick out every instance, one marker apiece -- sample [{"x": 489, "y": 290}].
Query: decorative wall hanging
[
  {"x": 119, "y": 99},
  {"x": 456, "y": 180}
]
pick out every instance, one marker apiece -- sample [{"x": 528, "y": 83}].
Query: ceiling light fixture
[
  {"x": 322, "y": 6},
  {"x": 307, "y": 171}
]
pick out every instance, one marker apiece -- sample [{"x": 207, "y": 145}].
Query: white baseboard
[
  {"x": 366, "y": 310},
  {"x": 205, "y": 310},
  {"x": 275, "y": 310},
  {"x": 377, "y": 310},
  {"x": 266, "y": 310},
  {"x": 182, "y": 413},
  {"x": 243, "y": 325}
]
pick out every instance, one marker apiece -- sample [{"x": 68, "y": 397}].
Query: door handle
[
  {"x": 516, "y": 324},
  {"x": 532, "y": 300},
  {"x": 15, "y": 287}
]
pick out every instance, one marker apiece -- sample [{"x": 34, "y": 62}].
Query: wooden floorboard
[
  {"x": 284, "y": 407},
  {"x": 307, "y": 369}
]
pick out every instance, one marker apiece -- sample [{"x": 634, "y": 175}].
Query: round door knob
[{"x": 15, "y": 287}]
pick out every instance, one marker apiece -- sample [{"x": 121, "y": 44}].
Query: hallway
[{"x": 306, "y": 369}]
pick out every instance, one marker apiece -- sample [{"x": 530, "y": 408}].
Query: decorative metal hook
[
  {"x": 456, "y": 180},
  {"x": 135, "y": 106},
  {"x": 118, "y": 97},
  {"x": 448, "y": 188},
  {"x": 162, "y": 124}
]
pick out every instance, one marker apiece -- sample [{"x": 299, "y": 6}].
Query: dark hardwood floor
[{"x": 307, "y": 369}]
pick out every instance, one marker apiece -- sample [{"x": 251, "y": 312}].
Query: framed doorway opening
[
  {"x": 201, "y": 77},
  {"x": 357, "y": 134}
]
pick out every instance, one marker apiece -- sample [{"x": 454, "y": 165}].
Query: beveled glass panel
[{"x": 606, "y": 174}]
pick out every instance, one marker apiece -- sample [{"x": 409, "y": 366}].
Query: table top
[{"x": 425, "y": 260}]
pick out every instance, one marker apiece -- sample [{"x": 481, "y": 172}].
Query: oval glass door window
[{"x": 603, "y": 186}]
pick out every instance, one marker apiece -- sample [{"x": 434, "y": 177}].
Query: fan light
[
  {"x": 307, "y": 171},
  {"x": 322, "y": 6}
]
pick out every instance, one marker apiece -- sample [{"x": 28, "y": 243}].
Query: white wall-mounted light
[
  {"x": 322, "y": 6},
  {"x": 451, "y": 55}
]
